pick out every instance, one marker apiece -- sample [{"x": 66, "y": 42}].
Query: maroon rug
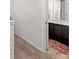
[{"x": 59, "y": 46}]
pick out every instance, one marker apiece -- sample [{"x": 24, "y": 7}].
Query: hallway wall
[
  {"x": 28, "y": 14},
  {"x": 12, "y": 9}
]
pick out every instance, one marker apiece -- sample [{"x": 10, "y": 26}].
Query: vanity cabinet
[{"x": 59, "y": 33}]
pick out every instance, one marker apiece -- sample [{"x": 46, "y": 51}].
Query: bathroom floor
[
  {"x": 24, "y": 50},
  {"x": 56, "y": 54},
  {"x": 58, "y": 50},
  {"x": 59, "y": 46}
]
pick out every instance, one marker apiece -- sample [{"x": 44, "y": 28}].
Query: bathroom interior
[
  {"x": 52, "y": 32},
  {"x": 58, "y": 25}
]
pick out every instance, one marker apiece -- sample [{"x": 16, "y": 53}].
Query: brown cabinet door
[{"x": 59, "y": 33}]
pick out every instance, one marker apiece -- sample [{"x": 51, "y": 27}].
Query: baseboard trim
[{"x": 40, "y": 50}]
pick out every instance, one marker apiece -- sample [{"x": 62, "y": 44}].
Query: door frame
[{"x": 47, "y": 26}]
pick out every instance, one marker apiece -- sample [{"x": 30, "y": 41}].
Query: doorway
[{"x": 58, "y": 26}]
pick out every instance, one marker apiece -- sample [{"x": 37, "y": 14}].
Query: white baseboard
[{"x": 31, "y": 43}]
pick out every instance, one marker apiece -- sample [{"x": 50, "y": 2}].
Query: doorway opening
[
  {"x": 58, "y": 38},
  {"x": 58, "y": 28}
]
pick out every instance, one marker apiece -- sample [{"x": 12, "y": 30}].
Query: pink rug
[{"x": 59, "y": 46}]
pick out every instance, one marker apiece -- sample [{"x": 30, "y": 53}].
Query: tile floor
[
  {"x": 24, "y": 50},
  {"x": 56, "y": 54},
  {"x": 59, "y": 46}
]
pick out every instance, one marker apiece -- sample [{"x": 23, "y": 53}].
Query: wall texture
[
  {"x": 54, "y": 9},
  {"x": 64, "y": 9},
  {"x": 30, "y": 16},
  {"x": 11, "y": 9}
]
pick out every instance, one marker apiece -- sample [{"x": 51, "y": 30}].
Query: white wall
[
  {"x": 51, "y": 9},
  {"x": 30, "y": 16},
  {"x": 54, "y": 9},
  {"x": 57, "y": 6},
  {"x": 11, "y": 8},
  {"x": 65, "y": 8}
]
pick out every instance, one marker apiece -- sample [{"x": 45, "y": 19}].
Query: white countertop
[{"x": 62, "y": 22}]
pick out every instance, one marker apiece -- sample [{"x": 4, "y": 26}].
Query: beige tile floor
[
  {"x": 24, "y": 50},
  {"x": 56, "y": 54}
]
